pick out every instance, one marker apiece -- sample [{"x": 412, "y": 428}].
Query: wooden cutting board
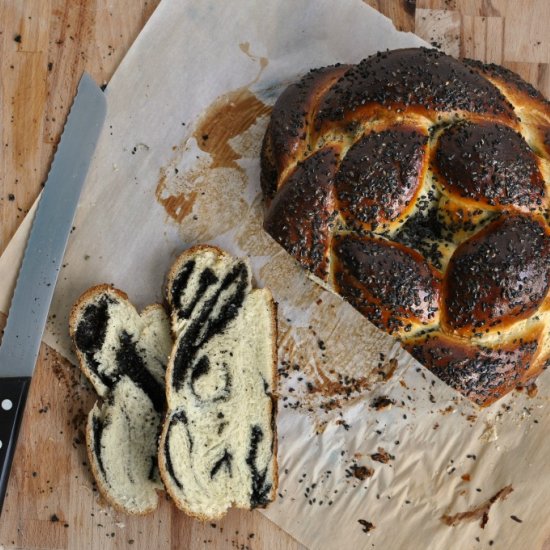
[{"x": 52, "y": 502}]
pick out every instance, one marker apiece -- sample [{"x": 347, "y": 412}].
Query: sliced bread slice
[
  {"x": 219, "y": 445},
  {"x": 124, "y": 355}
]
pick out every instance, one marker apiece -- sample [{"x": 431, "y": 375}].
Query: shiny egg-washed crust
[{"x": 416, "y": 186}]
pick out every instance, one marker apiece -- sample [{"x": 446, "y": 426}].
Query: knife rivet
[{"x": 7, "y": 404}]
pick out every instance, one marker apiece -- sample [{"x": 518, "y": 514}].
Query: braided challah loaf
[{"x": 416, "y": 187}]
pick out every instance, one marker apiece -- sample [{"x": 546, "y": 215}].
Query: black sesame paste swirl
[
  {"x": 201, "y": 369},
  {"x": 225, "y": 461},
  {"x": 131, "y": 364},
  {"x": 205, "y": 325},
  {"x": 97, "y": 428},
  {"x": 90, "y": 339},
  {"x": 179, "y": 284},
  {"x": 178, "y": 417},
  {"x": 90, "y": 335},
  {"x": 260, "y": 488},
  {"x": 207, "y": 278}
]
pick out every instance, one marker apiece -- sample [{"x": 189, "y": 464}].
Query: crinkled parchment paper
[{"x": 374, "y": 451}]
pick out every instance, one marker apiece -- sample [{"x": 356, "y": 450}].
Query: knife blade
[{"x": 41, "y": 264}]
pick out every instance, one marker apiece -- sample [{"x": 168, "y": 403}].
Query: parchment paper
[{"x": 177, "y": 164}]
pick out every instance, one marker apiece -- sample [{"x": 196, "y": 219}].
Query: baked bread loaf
[
  {"x": 416, "y": 187},
  {"x": 218, "y": 445},
  {"x": 124, "y": 355}
]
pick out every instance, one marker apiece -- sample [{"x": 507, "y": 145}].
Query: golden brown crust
[
  {"x": 441, "y": 175},
  {"x": 497, "y": 277},
  {"x": 418, "y": 79},
  {"x": 299, "y": 217},
  {"x": 274, "y": 394},
  {"x": 389, "y": 283},
  {"x": 511, "y": 85},
  {"x": 380, "y": 177},
  {"x": 535, "y": 108},
  {"x": 470, "y": 157},
  {"x": 285, "y": 140},
  {"x": 480, "y": 373}
]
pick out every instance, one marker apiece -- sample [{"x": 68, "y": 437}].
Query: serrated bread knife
[{"x": 41, "y": 263}]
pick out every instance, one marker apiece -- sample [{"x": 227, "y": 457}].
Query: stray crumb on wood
[{"x": 480, "y": 512}]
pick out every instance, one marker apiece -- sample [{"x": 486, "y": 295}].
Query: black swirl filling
[
  {"x": 202, "y": 368},
  {"x": 177, "y": 418},
  {"x": 97, "y": 428},
  {"x": 206, "y": 325},
  {"x": 131, "y": 364},
  {"x": 225, "y": 461},
  {"x": 90, "y": 335},
  {"x": 90, "y": 338},
  {"x": 207, "y": 278},
  {"x": 179, "y": 284},
  {"x": 260, "y": 487}
]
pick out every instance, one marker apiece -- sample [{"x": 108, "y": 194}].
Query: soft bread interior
[
  {"x": 150, "y": 330},
  {"x": 218, "y": 443},
  {"x": 124, "y": 354},
  {"x": 122, "y": 439}
]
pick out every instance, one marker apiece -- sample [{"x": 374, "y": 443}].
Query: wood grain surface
[{"x": 45, "y": 45}]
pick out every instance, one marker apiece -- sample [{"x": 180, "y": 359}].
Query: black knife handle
[{"x": 13, "y": 395}]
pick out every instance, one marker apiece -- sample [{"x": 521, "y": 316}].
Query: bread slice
[
  {"x": 124, "y": 355},
  {"x": 218, "y": 445}
]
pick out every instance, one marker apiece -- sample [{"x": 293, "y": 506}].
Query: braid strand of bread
[{"x": 416, "y": 186}]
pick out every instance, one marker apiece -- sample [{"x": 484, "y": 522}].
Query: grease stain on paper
[
  {"x": 208, "y": 197},
  {"x": 178, "y": 207},
  {"x": 263, "y": 61},
  {"x": 231, "y": 115}
]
